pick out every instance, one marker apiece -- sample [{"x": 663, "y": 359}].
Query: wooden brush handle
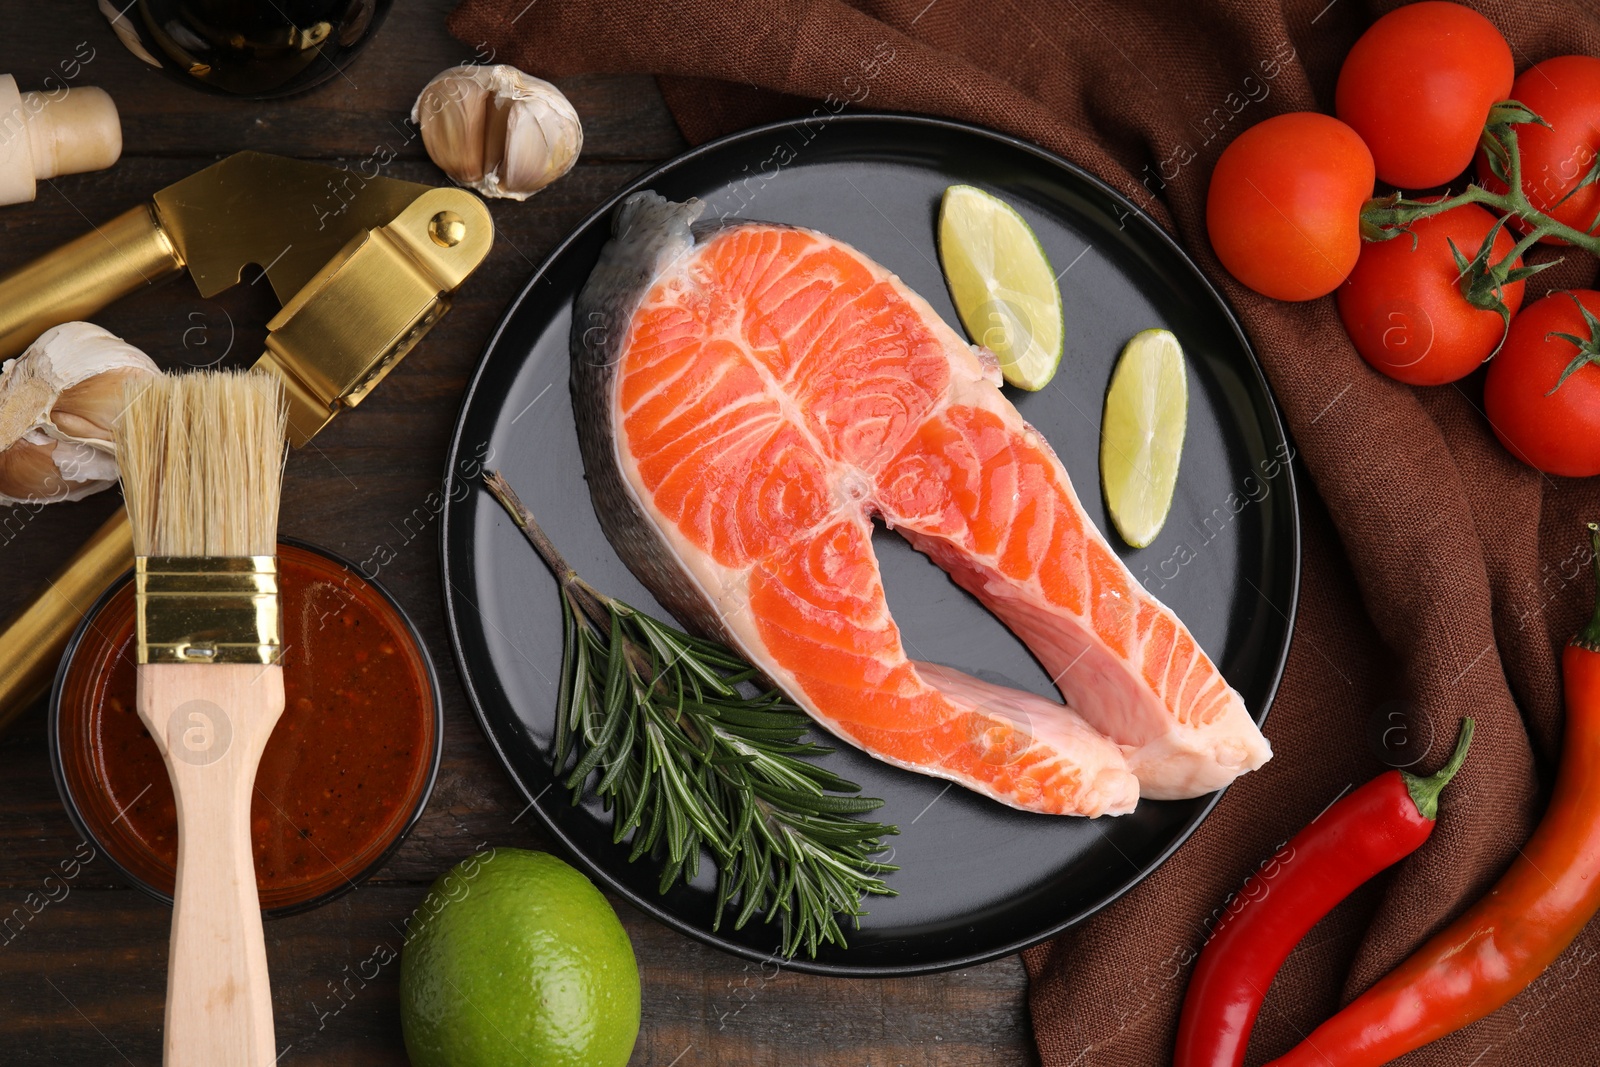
[{"x": 212, "y": 722}]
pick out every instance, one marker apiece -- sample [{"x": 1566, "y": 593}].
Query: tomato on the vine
[
  {"x": 1284, "y": 207},
  {"x": 1565, "y": 92},
  {"x": 1555, "y": 428},
  {"x": 1404, "y": 307},
  {"x": 1417, "y": 87}
]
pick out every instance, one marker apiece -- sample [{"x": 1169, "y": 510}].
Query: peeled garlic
[
  {"x": 58, "y": 401},
  {"x": 498, "y": 130}
]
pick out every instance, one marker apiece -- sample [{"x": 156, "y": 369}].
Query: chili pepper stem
[
  {"x": 1425, "y": 789},
  {"x": 1589, "y": 637}
]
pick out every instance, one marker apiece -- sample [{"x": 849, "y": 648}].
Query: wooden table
[{"x": 83, "y": 962}]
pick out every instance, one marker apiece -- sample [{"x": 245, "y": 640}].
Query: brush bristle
[{"x": 201, "y": 458}]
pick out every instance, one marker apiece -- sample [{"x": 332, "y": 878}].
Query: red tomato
[
  {"x": 1565, "y": 92},
  {"x": 1284, "y": 207},
  {"x": 1417, "y": 87},
  {"x": 1403, "y": 307},
  {"x": 1558, "y": 433}
]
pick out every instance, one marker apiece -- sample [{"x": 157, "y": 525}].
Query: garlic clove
[
  {"x": 58, "y": 403},
  {"x": 43, "y": 470},
  {"x": 87, "y": 411},
  {"x": 498, "y": 130},
  {"x": 40, "y": 470},
  {"x": 496, "y": 110},
  {"x": 452, "y": 125},
  {"x": 28, "y": 472},
  {"x": 85, "y": 468}
]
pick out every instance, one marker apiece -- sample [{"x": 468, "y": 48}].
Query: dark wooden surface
[{"x": 81, "y": 982}]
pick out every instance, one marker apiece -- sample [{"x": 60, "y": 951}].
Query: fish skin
[
  {"x": 648, "y": 233},
  {"x": 1061, "y": 764}
]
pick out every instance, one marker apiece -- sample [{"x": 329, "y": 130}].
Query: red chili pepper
[
  {"x": 1507, "y": 939},
  {"x": 1375, "y": 826}
]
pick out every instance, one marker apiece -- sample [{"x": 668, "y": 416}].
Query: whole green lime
[{"x": 514, "y": 957}]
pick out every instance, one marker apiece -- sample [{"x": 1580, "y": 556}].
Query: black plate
[{"x": 978, "y": 880}]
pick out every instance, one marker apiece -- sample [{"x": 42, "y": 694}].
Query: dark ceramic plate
[{"x": 977, "y": 880}]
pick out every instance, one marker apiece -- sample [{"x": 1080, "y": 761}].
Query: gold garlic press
[{"x": 362, "y": 266}]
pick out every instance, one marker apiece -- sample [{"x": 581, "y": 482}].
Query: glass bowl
[{"x": 345, "y": 775}]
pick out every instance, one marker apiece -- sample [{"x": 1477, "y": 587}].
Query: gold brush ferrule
[{"x": 200, "y": 609}]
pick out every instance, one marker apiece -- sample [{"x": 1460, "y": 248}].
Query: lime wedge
[
  {"x": 1141, "y": 437},
  {"x": 1002, "y": 284}
]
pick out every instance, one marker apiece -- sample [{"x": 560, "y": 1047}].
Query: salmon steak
[{"x": 750, "y": 396}]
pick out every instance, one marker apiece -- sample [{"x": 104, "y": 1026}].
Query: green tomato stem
[
  {"x": 1404, "y": 212},
  {"x": 1389, "y": 213},
  {"x": 1522, "y": 247},
  {"x": 1514, "y": 159}
]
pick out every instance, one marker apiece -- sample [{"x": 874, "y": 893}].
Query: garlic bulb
[
  {"x": 498, "y": 130},
  {"x": 58, "y": 401}
]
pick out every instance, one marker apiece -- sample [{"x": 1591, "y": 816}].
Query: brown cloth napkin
[{"x": 1441, "y": 577}]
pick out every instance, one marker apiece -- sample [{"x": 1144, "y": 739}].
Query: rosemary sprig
[{"x": 660, "y": 726}]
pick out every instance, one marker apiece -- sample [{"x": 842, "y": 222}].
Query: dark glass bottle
[{"x": 252, "y": 48}]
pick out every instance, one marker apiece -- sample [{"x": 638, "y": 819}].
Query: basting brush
[{"x": 201, "y": 458}]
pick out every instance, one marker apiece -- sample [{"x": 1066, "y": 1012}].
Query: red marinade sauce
[{"x": 341, "y": 774}]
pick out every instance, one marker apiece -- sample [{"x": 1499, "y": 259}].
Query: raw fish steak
[{"x": 750, "y": 396}]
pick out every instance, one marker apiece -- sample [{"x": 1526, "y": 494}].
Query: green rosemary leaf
[
  {"x": 725, "y": 888},
  {"x": 814, "y": 803},
  {"x": 754, "y": 893},
  {"x": 681, "y": 654},
  {"x": 619, "y": 761},
  {"x": 748, "y": 812},
  {"x": 785, "y": 775},
  {"x": 691, "y": 869},
  {"x": 569, "y": 670},
  {"x": 767, "y": 749},
  {"x": 670, "y": 873},
  {"x": 736, "y": 677},
  {"x": 761, "y": 718},
  {"x": 838, "y": 836},
  {"x": 599, "y": 742},
  {"x": 713, "y": 652},
  {"x": 823, "y": 778},
  {"x": 616, "y": 671},
  {"x": 579, "y": 693},
  {"x": 758, "y": 736},
  {"x": 646, "y": 842},
  {"x": 677, "y": 816},
  {"x": 792, "y": 868},
  {"x": 646, "y": 775}
]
